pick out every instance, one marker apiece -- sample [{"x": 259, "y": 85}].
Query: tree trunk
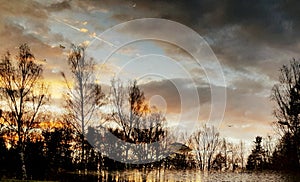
[
  {"x": 83, "y": 161},
  {"x": 208, "y": 164},
  {"x": 21, "y": 149},
  {"x": 23, "y": 165}
]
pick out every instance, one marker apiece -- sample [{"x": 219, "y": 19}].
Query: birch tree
[
  {"x": 83, "y": 97},
  {"x": 23, "y": 95},
  {"x": 205, "y": 141}
]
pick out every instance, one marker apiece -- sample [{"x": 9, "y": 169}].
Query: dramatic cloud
[
  {"x": 251, "y": 40},
  {"x": 172, "y": 92}
]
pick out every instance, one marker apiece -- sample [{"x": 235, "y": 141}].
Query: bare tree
[
  {"x": 224, "y": 148},
  {"x": 153, "y": 131},
  {"x": 242, "y": 153},
  {"x": 187, "y": 140},
  {"x": 268, "y": 145},
  {"x": 24, "y": 94},
  {"x": 234, "y": 158},
  {"x": 128, "y": 105},
  {"x": 206, "y": 141},
  {"x": 84, "y": 97},
  {"x": 137, "y": 122},
  {"x": 286, "y": 95}
]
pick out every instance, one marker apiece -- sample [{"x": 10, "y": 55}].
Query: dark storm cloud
[
  {"x": 249, "y": 34},
  {"x": 242, "y": 33},
  {"x": 275, "y": 16},
  {"x": 274, "y": 21},
  {"x": 264, "y": 18}
]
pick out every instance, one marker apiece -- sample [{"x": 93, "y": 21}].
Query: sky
[{"x": 241, "y": 47}]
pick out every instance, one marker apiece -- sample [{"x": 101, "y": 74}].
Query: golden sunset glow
[{"x": 116, "y": 90}]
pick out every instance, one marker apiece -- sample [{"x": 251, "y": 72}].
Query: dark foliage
[
  {"x": 286, "y": 95},
  {"x": 257, "y": 160}
]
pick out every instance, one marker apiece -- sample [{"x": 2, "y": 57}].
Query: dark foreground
[{"x": 179, "y": 175}]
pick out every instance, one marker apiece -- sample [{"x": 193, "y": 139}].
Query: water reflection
[{"x": 160, "y": 175}]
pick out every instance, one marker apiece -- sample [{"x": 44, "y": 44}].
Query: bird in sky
[{"x": 61, "y": 46}]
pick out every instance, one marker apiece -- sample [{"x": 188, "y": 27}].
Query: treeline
[
  {"x": 38, "y": 144},
  {"x": 286, "y": 154},
  {"x": 116, "y": 130}
]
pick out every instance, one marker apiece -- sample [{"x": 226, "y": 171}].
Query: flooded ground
[{"x": 182, "y": 175}]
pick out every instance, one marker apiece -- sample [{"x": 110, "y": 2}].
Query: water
[{"x": 181, "y": 175}]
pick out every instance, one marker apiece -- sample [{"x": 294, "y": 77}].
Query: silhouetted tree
[
  {"x": 35, "y": 157},
  {"x": 206, "y": 141},
  {"x": 137, "y": 123},
  {"x": 3, "y": 154},
  {"x": 84, "y": 96},
  {"x": 94, "y": 157},
  {"x": 128, "y": 104},
  {"x": 256, "y": 158},
  {"x": 286, "y": 95},
  {"x": 24, "y": 94},
  {"x": 58, "y": 149},
  {"x": 284, "y": 155}
]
